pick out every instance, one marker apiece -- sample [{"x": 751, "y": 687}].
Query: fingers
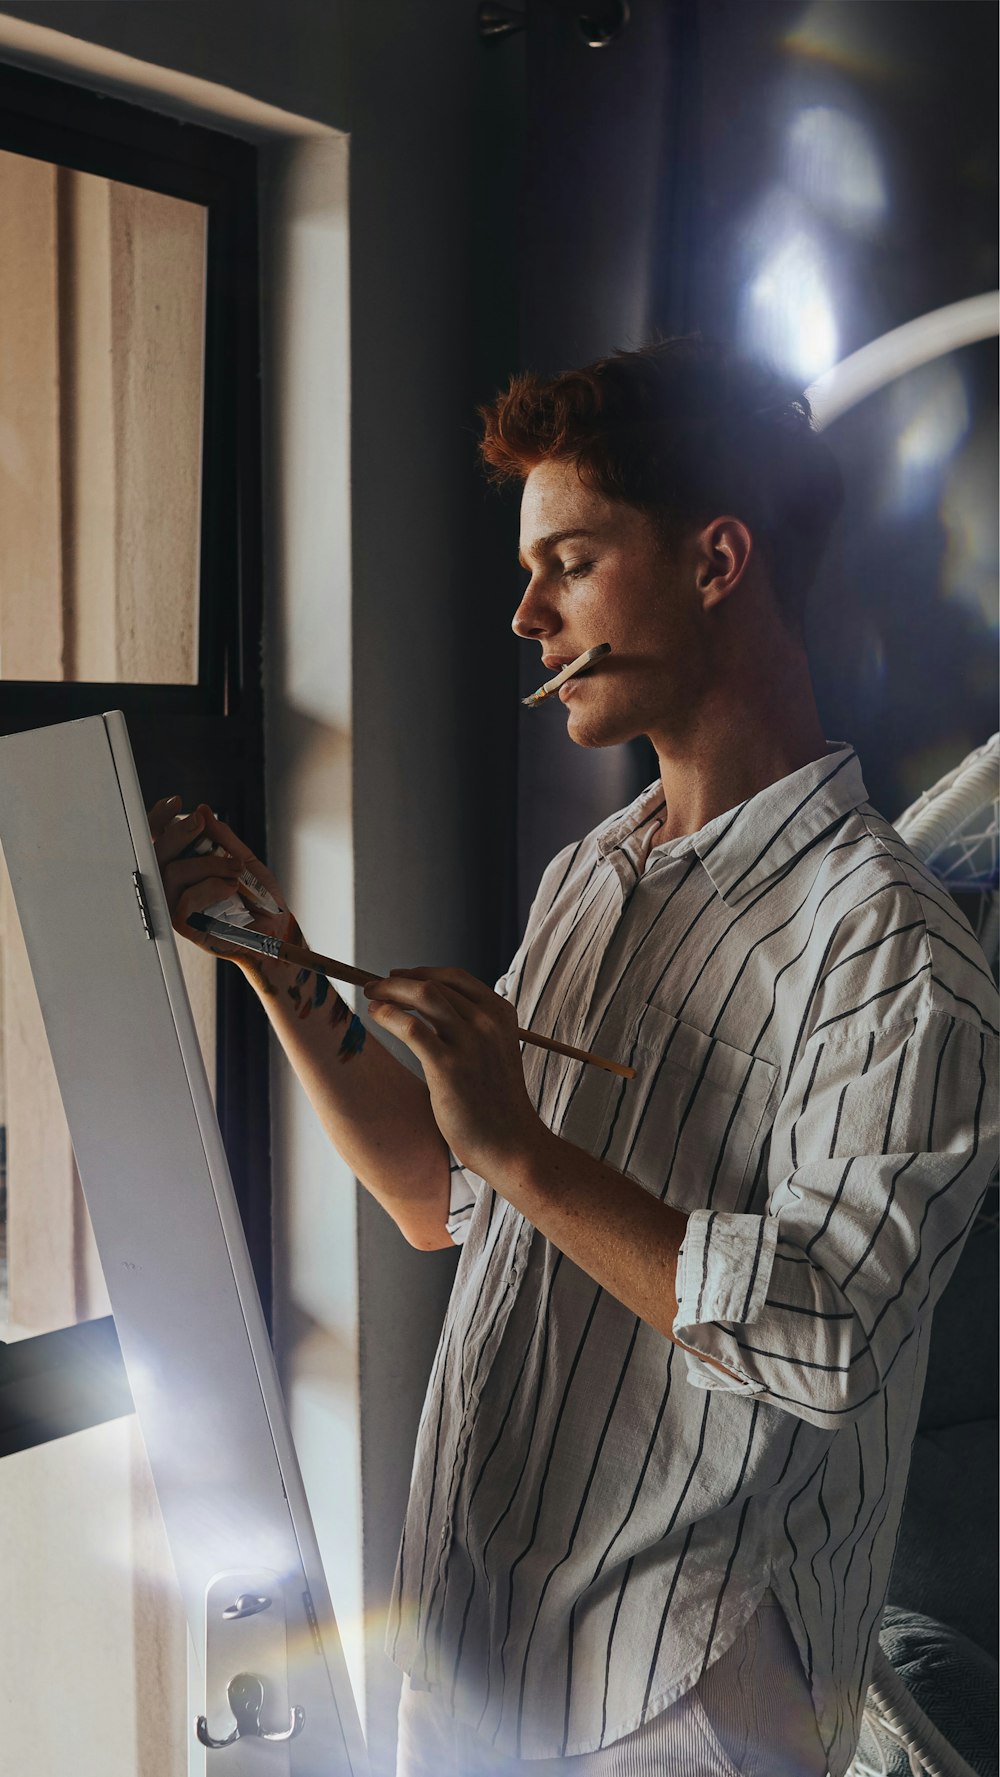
[
  {"x": 161, "y": 814},
  {"x": 217, "y": 831},
  {"x": 471, "y": 998},
  {"x": 184, "y": 871},
  {"x": 419, "y": 1037},
  {"x": 459, "y": 980},
  {"x": 222, "y": 835},
  {"x": 195, "y": 899},
  {"x": 191, "y": 885},
  {"x": 176, "y": 836},
  {"x": 438, "y": 1004}
]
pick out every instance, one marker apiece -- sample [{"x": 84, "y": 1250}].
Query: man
[{"x": 661, "y": 1464}]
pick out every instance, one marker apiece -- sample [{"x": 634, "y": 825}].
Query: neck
[{"x": 748, "y": 730}]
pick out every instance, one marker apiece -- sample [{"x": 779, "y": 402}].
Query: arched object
[{"x": 883, "y": 360}]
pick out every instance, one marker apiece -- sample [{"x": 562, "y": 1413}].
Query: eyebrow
[{"x": 554, "y": 537}]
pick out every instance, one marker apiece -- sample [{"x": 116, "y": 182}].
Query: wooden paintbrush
[
  {"x": 579, "y": 665},
  {"x": 300, "y": 958}
]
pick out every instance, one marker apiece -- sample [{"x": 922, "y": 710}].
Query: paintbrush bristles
[{"x": 579, "y": 665}]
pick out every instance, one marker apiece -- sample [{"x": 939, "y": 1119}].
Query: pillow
[{"x": 953, "y": 1681}]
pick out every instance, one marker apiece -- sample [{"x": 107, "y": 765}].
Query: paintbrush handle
[
  {"x": 611, "y": 1067},
  {"x": 323, "y": 965},
  {"x": 328, "y": 965}
]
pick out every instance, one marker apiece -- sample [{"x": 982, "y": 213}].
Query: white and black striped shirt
[{"x": 594, "y": 1513}]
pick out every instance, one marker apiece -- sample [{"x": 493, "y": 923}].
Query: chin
[{"x": 597, "y": 731}]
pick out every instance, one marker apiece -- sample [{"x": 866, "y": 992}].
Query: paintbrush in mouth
[{"x": 579, "y": 665}]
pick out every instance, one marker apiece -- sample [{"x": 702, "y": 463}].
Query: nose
[{"x": 534, "y": 617}]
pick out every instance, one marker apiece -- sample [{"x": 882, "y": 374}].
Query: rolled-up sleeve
[
  {"x": 883, "y": 1146},
  {"x": 465, "y": 1189}
]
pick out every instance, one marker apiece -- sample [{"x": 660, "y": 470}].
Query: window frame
[{"x": 215, "y": 750}]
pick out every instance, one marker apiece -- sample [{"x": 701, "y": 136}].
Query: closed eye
[{"x": 577, "y": 571}]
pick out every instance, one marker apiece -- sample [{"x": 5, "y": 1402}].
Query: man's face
[{"x": 599, "y": 573}]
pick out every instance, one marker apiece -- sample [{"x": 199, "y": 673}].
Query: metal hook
[
  {"x": 246, "y": 1700},
  {"x": 246, "y": 1605}
]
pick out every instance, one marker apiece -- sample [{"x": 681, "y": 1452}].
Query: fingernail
[{"x": 173, "y": 802}]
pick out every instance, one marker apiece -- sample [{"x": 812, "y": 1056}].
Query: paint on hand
[{"x": 354, "y": 1039}]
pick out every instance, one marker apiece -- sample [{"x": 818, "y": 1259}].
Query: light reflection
[
  {"x": 930, "y": 417},
  {"x": 830, "y": 159},
  {"x": 840, "y": 36},
  {"x": 787, "y": 316},
  {"x": 967, "y": 512},
  {"x": 871, "y": 662}
]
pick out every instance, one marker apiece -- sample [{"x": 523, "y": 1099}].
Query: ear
[{"x": 724, "y": 550}]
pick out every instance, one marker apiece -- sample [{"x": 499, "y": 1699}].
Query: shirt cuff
[
  {"x": 465, "y": 1189},
  {"x": 723, "y": 1274}
]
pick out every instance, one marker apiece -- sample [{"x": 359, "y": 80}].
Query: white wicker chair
[{"x": 954, "y": 829}]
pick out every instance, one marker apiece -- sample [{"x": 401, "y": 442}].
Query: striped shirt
[{"x": 594, "y": 1513}]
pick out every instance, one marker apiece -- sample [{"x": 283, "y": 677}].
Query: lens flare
[
  {"x": 930, "y": 418},
  {"x": 967, "y": 512},
  {"x": 787, "y": 315},
  {"x": 841, "y": 37},
  {"x": 830, "y": 160}
]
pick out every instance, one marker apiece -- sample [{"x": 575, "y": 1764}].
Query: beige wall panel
[
  {"x": 160, "y": 1629},
  {"x": 90, "y": 512},
  {"x": 157, "y": 324},
  {"x": 41, "y": 1238},
  {"x": 71, "y": 1702},
  {"x": 30, "y": 519}
]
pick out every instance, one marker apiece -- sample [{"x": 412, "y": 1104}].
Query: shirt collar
[{"x": 744, "y": 847}]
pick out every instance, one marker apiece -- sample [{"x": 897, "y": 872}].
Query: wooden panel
[
  {"x": 41, "y": 1245},
  {"x": 31, "y": 634},
  {"x": 157, "y": 284}
]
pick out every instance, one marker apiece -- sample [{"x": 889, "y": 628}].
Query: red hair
[{"x": 687, "y": 433}]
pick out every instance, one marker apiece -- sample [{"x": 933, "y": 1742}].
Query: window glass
[{"x": 102, "y": 305}]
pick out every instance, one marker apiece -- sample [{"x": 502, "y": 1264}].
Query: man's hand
[
  {"x": 465, "y": 1038},
  {"x": 192, "y": 884}
]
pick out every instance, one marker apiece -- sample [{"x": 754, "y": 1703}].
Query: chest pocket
[{"x": 695, "y": 1117}]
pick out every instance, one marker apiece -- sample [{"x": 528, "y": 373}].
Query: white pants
[{"x": 750, "y": 1715}]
